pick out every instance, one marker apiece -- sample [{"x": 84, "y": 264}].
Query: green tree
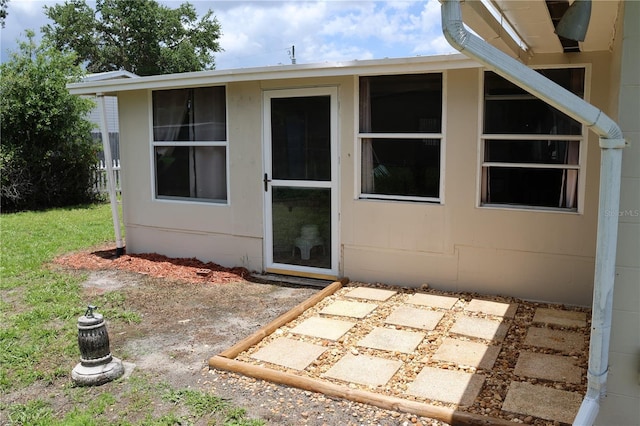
[
  {"x": 47, "y": 158},
  {"x": 3, "y": 12},
  {"x": 140, "y": 36}
]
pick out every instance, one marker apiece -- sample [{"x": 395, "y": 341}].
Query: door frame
[{"x": 269, "y": 264}]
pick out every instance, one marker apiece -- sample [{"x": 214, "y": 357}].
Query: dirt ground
[{"x": 191, "y": 311}]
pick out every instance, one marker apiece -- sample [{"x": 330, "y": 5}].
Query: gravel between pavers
[
  {"x": 283, "y": 405},
  {"x": 497, "y": 379}
]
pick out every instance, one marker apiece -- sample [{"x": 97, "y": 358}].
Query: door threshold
[{"x": 288, "y": 279}]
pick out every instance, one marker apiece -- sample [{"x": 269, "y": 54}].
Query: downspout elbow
[
  {"x": 453, "y": 27},
  {"x": 588, "y": 410},
  {"x": 609, "y": 129},
  {"x": 590, "y": 406}
]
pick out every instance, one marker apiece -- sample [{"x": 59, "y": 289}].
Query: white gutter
[
  {"x": 611, "y": 144},
  {"x": 111, "y": 187}
]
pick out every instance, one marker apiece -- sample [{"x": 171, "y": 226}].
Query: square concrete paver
[
  {"x": 550, "y": 367},
  {"x": 415, "y": 318},
  {"x": 349, "y": 309},
  {"x": 369, "y": 293},
  {"x": 456, "y": 387},
  {"x": 481, "y": 328},
  {"x": 507, "y": 310},
  {"x": 565, "y": 341},
  {"x": 471, "y": 354},
  {"x": 541, "y": 401},
  {"x": 365, "y": 370},
  {"x": 387, "y": 339},
  {"x": 289, "y": 353},
  {"x": 560, "y": 317},
  {"x": 324, "y": 328},
  {"x": 432, "y": 300}
]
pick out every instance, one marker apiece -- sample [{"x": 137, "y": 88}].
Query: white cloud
[
  {"x": 22, "y": 15},
  {"x": 27, "y": 7},
  {"x": 368, "y": 20},
  {"x": 261, "y": 33},
  {"x": 397, "y": 28},
  {"x": 330, "y": 52},
  {"x": 434, "y": 46},
  {"x": 431, "y": 40},
  {"x": 252, "y": 36}
]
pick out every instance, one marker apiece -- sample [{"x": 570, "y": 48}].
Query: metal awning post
[{"x": 106, "y": 146}]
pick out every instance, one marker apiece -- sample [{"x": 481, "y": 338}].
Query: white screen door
[{"x": 300, "y": 178}]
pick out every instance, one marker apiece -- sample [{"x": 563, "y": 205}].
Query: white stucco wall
[
  {"x": 622, "y": 404},
  {"x": 456, "y": 245},
  {"x": 231, "y": 234},
  {"x": 539, "y": 255}
]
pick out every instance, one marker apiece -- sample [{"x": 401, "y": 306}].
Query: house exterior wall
[
  {"x": 227, "y": 234},
  {"x": 456, "y": 245},
  {"x": 540, "y": 255},
  {"x": 622, "y": 404}
]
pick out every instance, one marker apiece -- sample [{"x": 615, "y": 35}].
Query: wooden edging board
[
  {"x": 225, "y": 361},
  {"x": 266, "y": 330}
]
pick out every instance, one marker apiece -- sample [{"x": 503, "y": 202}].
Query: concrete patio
[{"x": 492, "y": 358}]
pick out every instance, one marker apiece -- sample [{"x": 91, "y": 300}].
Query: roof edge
[
  {"x": 109, "y": 75},
  {"x": 326, "y": 69}
]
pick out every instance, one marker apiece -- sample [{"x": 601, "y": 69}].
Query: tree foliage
[
  {"x": 140, "y": 36},
  {"x": 3, "y": 12},
  {"x": 47, "y": 157}
]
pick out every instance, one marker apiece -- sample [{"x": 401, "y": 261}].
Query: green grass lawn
[{"x": 39, "y": 306}]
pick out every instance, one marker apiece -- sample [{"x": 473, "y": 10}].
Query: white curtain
[
  {"x": 209, "y": 114},
  {"x": 170, "y": 108},
  {"x": 209, "y": 174},
  {"x": 486, "y": 194},
  {"x": 367, "y": 184},
  {"x": 485, "y": 187},
  {"x": 569, "y": 190}
]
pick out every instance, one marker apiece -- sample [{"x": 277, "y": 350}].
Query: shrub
[{"x": 47, "y": 157}]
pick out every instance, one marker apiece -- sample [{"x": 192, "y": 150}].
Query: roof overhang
[
  {"x": 491, "y": 28},
  {"x": 534, "y": 22},
  {"x": 329, "y": 69},
  {"x": 109, "y": 75}
]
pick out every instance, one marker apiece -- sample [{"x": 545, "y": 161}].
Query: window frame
[
  {"x": 582, "y": 139},
  {"x": 191, "y": 144},
  {"x": 361, "y": 136}
]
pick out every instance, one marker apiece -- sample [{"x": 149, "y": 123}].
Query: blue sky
[{"x": 261, "y": 33}]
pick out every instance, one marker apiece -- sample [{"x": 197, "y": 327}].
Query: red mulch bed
[{"x": 155, "y": 265}]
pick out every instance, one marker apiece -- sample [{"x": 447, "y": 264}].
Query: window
[
  {"x": 400, "y": 137},
  {"x": 190, "y": 144},
  {"x": 531, "y": 151}
]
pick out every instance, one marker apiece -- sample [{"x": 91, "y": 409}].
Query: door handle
[{"x": 266, "y": 182}]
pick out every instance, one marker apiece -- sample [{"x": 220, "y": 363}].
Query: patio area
[{"x": 457, "y": 357}]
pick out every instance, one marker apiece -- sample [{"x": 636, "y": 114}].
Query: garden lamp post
[{"x": 97, "y": 366}]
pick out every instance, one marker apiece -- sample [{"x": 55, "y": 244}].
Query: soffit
[{"x": 532, "y": 20}]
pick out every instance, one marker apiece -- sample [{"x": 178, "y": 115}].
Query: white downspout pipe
[
  {"x": 111, "y": 187},
  {"x": 611, "y": 144}
]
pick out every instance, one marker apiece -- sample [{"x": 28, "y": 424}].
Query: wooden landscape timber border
[{"x": 225, "y": 361}]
